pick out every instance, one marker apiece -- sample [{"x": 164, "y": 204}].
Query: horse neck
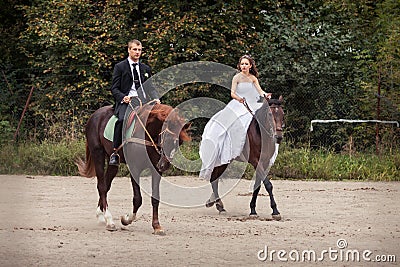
[
  {"x": 147, "y": 126},
  {"x": 265, "y": 121}
]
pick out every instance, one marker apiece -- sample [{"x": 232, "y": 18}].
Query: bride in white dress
[{"x": 225, "y": 133}]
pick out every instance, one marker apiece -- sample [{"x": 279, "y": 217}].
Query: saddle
[{"x": 129, "y": 126}]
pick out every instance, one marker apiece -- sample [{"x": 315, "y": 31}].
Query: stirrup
[{"x": 114, "y": 159}]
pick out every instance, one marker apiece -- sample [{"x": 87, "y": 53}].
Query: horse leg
[
  {"x": 256, "y": 188},
  {"x": 103, "y": 186},
  {"x": 218, "y": 202},
  {"x": 211, "y": 201},
  {"x": 137, "y": 202},
  {"x": 155, "y": 201},
  {"x": 215, "y": 199},
  {"x": 268, "y": 186},
  {"x": 253, "y": 201}
]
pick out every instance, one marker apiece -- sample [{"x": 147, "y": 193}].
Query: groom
[{"x": 127, "y": 86}]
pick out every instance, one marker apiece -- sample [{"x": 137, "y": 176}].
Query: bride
[{"x": 225, "y": 133}]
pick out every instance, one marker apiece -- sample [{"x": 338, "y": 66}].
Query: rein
[
  {"x": 254, "y": 116},
  {"x": 147, "y": 133},
  {"x": 247, "y": 107}
]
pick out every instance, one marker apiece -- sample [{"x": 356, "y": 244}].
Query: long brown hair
[{"x": 253, "y": 70}]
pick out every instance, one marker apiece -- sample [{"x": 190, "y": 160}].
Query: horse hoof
[
  {"x": 159, "y": 232},
  {"x": 111, "y": 228},
  {"x": 125, "y": 220},
  {"x": 222, "y": 212},
  {"x": 253, "y": 215},
  {"x": 276, "y": 217},
  {"x": 209, "y": 204}
]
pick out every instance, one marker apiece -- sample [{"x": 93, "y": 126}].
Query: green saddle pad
[{"x": 109, "y": 130}]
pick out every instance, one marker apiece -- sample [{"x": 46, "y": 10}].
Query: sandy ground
[{"x": 50, "y": 221}]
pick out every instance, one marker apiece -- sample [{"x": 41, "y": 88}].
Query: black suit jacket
[{"x": 122, "y": 83}]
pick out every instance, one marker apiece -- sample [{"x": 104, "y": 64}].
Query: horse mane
[
  {"x": 274, "y": 101},
  {"x": 161, "y": 112},
  {"x": 261, "y": 117}
]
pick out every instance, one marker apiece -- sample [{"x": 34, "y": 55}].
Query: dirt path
[{"x": 50, "y": 221}]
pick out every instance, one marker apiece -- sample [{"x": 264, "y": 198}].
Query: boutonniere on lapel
[{"x": 146, "y": 75}]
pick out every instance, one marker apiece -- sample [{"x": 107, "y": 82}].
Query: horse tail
[{"x": 86, "y": 168}]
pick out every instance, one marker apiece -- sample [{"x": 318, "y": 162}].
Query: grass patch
[
  {"x": 321, "y": 164},
  {"x": 49, "y": 158},
  {"x": 41, "y": 159}
]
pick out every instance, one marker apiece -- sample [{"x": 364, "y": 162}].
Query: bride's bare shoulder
[
  {"x": 237, "y": 76},
  {"x": 241, "y": 78}
]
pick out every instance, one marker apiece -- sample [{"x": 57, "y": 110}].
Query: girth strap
[{"x": 139, "y": 141}]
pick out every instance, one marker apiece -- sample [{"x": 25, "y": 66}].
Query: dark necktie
[{"x": 138, "y": 86}]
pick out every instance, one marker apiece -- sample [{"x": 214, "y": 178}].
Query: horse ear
[{"x": 187, "y": 126}]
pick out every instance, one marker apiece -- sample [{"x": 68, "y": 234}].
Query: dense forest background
[{"x": 331, "y": 59}]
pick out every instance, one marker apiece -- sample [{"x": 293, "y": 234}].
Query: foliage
[
  {"x": 44, "y": 159},
  {"x": 379, "y": 61},
  {"x": 387, "y": 61},
  {"x": 322, "y": 164},
  {"x": 72, "y": 57},
  {"x": 12, "y": 62},
  {"x": 325, "y": 57},
  {"x": 307, "y": 56},
  {"x": 203, "y": 30},
  {"x": 6, "y": 132}
]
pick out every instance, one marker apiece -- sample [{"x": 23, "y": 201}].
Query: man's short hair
[{"x": 134, "y": 41}]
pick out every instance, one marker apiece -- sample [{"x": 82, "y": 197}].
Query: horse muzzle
[
  {"x": 279, "y": 137},
  {"x": 163, "y": 164}
]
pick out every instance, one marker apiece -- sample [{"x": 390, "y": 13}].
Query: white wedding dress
[{"x": 224, "y": 135}]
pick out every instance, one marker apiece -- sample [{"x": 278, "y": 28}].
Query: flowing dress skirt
[{"x": 224, "y": 135}]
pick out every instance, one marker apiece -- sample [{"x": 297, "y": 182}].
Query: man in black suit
[{"x": 127, "y": 86}]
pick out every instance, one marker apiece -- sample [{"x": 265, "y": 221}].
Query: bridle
[
  {"x": 162, "y": 141},
  {"x": 277, "y": 107}
]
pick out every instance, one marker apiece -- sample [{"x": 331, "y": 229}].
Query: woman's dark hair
[{"x": 253, "y": 70}]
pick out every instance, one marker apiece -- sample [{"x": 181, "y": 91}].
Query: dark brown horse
[
  {"x": 158, "y": 130},
  {"x": 264, "y": 132}
]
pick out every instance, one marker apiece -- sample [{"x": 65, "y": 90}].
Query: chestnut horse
[
  {"x": 158, "y": 130},
  {"x": 265, "y": 130}
]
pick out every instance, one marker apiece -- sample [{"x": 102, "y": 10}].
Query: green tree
[
  {"x": 72, "y": 46},
  {"x": 322, "y": 56},
  {"x": 185, "y": 31},
  {"x": 308, "y": 56},
  {"x": 388, "y": 56},
  {"x": 12, "y": 65}
]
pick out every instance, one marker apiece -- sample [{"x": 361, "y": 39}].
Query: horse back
[
  {"x": 98, "y": 120},
  {"x": 95, "y": 130}
]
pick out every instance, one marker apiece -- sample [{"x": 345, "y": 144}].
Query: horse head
[
  {"x": 279, "y": 117},
  {"x": 172, "y": 134}
]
